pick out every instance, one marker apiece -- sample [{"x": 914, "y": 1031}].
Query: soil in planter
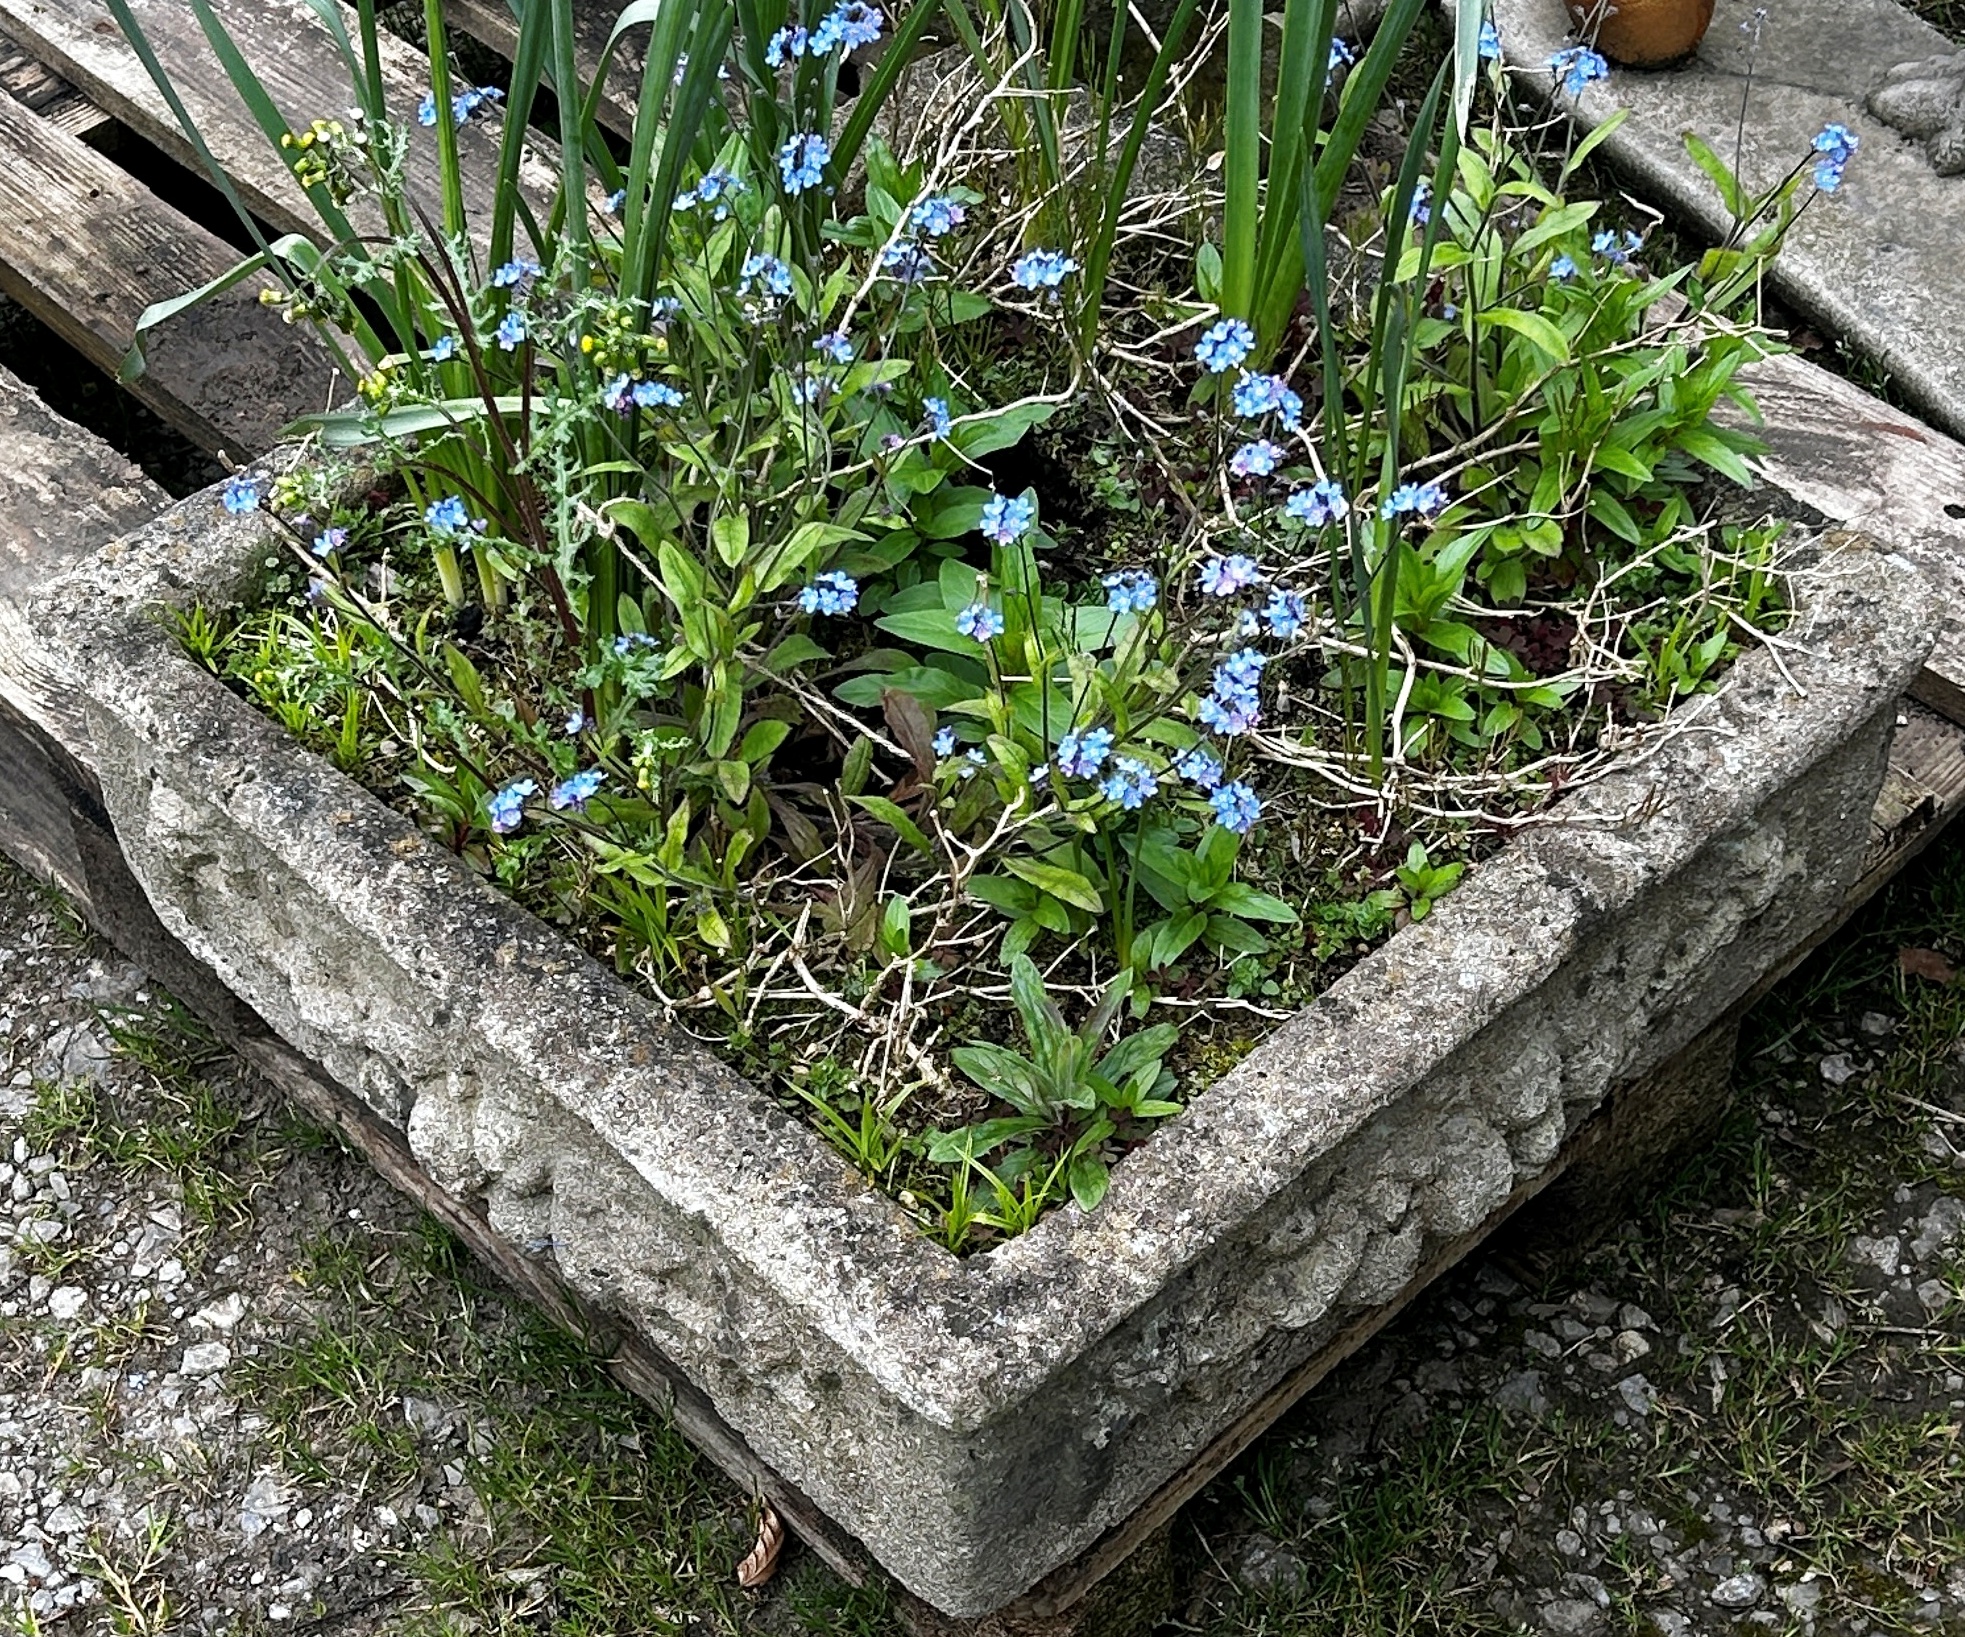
[{"x": 902, "y": 873}]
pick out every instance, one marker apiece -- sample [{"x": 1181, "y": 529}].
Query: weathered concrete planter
[{"x": 977, "y": 1423}]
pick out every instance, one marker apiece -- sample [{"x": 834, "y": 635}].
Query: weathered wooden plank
[
  {"x": 491, "y": 22},
  {"x": 63, "y": 492},
  {"x": 85, "y": 248},
  {"x": 34, "y": 85},
  {"x": 302, "y": 70},
  {"x": 1872, "y": 468}
]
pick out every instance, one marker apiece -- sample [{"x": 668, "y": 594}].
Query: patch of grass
[
  {"x": 588, "y": 1506},
  {"x": 211, "y": 1150}
]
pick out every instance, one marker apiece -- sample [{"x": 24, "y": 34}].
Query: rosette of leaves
[{"x": 1065, "y": 1088}]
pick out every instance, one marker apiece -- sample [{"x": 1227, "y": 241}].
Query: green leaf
[
  {"x": 1611, "y": 512},
  {"x": 1706, "y": 446},
  {"x": 735, "y": 780},
  {"x": 1059, "y": 882},
  {"x": 795, "y": 650},
  {"x": 1722, "y": 176},
  {"x": 1042, "y": 1020},
  {"x": 1230, "y": 933},
  {"x": 932, "y": 628},
  {"x": 1004, "y": 1073},
  {"x": 895, "y": 818},
  {"x": 1593, "y": 141},
  {"x": 683, "y": 581},
  {"x": 976, "y": 438},
  {"x": 762, "y": 739},
  {"x": 1251, "y": 905},
  {"x": 1207, "y": 272},
  {"x": 1001, "y": 892},
  {"x": 730, "y": 535},
  {"x": 853, "y": 771},
  {"x": 974, "y": 1141},
  {"x": 896, "y": 923},
  {"x": 1138, "y": 1051},
  {"x": 1532, "y": 327},
  {"x": 1554, "y": 224},
  {"x": 1089, "y": 1181}
]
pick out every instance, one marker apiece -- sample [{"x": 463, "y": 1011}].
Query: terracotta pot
[{"x": 1642, "y": 33}]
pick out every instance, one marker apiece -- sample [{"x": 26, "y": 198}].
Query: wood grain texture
[
  {"x": 85, "y": 248},
  {"x": 37, "y": 87},
  {"x": 302, "y": 70},
  {"x": 1872, "y": 468}
]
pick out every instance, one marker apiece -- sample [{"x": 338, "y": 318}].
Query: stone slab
[{"x": 1880, "y": 263}]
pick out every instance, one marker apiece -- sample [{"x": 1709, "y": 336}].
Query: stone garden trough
[{"x": 976, "y": 1423}]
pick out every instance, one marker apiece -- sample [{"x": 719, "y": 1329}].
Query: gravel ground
[{"x": 244, "y": 1388}]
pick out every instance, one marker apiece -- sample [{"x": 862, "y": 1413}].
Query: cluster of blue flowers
[
  {"x": 935, "y": 412},
  {"x": 1323, "y": 502},
  {"x": 979, "y": 622},
  {"x": 1414, "y": 500},
  {"x": 1225, "y": 344},
  {"x": 938, "y": 216},
  {"x": 1256, "y": 459},
  {"x": 1233, "y": 706},
  {"x": 715, "y": 191},
  {"x": 1224, "y": 576},
  {"x": 848, "y": 26},
  {"x": 240, "y": 495},
  {"x": 1130, "y": 591},
  {"x": 1615, "y": 248},
  {"x": 763, "y": 274},
  {"x": 830, "y": 593},
  {"x": 1490, "y": 46},
  {"x": 512, "y": 331},
  {"x": 1576, "y": 66},
  {"x": 907, "y": 262},
  {"x": 802, "y": 162},
  {"x": 1130, "y": 783},
  {"x": 505, "y": 809},
  {"x": 1007, "y": 518},
  {"x": 1236, "y": 807},
  {"x": 1837, "y": 145},
  {"x": 575, "y": 792},
  {"x": 450, "y": 517},
  {"x": 1041, "y": 269},
  {"x": 907, "y": 259},
  {"x": 1258, "y": 395},
  {"x": 462, "y": 106},
  {"x": 518, "y": 274},
  {"x": 1081, "y": 755},
  {"x": 624, "y": 395}
]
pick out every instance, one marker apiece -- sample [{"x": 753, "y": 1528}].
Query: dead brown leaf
[
  {"x": 1927, "y": 964},
  {"x": 762, "y": 1563},
  {"x": 911, "y": 725}
]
